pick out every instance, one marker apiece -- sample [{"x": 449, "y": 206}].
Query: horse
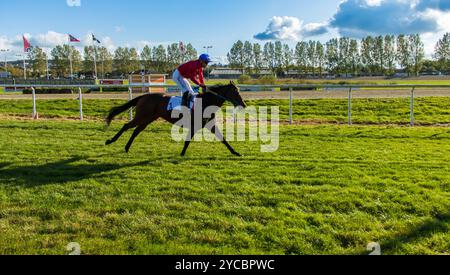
[{"x": 151, "y": 107}]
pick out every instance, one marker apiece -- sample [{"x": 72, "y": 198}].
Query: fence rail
[{"x": 290, "y": 88}]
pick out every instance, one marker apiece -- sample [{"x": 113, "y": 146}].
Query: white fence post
[
  {"x": 130, "y": 97},
  {"x": 80, "y": 98},
  {"x": 350, "y": 106},
  {"x": 33, "y": 95},
  {"x": 412, "y": 107},
  {"x": 290, "y": 107}
]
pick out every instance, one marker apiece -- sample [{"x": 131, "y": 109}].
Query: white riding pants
[{"x": 182, "y": 83}]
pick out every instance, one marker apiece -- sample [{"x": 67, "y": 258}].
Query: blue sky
[{"x": 215, "y": 22}]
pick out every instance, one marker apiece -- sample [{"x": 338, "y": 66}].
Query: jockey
[{"x": 191, "y": 70}]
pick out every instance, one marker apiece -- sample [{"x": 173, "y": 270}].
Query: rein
[{"x": 222, "y": 97}]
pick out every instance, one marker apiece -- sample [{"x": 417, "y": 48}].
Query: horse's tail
[{"x": 120, "y": 109}]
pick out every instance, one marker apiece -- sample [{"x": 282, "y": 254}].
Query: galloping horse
[{"x": 154, "y": 106}]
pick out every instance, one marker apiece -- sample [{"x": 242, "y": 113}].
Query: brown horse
[{"x": 154, "y": 106}]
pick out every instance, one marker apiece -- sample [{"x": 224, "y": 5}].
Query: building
[
  {"x": 5, "y": 75},
  {"x": 228, "y": 73},
  {"x": 225, "y": 73}
]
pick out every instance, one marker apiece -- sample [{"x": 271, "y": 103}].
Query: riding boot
[{"x": 185, "y": 100}]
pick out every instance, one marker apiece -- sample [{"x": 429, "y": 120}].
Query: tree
[
  {"x": 278, "y": 56},
  {"x": 236, "y": 55},
  {"x": 287, "y": 58},
  {"x": 416, "y": 47},
  {"x": 320, "y": 57},
  {"x": 104, "y": 61},
  {"x": 269, "y": 56},
  {"x": 378, "y": 54},
  {"x": 389, "y": 54},
  {"x": 88, "y": 59},
  {"x": 258, "y": 60},
  {"x": 38, "y": 60},
  {"x": 354, "y": 57},
  {"x": 174, "y": 56},
  {"x": 311, "y": 54},
  {"x": 160, "y": 58},
  {"x": 301, "y": 56},
  {"x": 367, "y": 56},
  {"x": 121, "y": 61},
  {"x": 247, "y": 56},
  {"x": 134, "y": 64},
  {"x": 147, "y": 58},
  {"x": 191, "y": 52},
  {"x": 442, "y": 53},
  {"x": 332, "y": 55},
  {"x": 61, "y": 61},
  {"x": 403, "y": 53},
  {"x": 344, "y": 56}
]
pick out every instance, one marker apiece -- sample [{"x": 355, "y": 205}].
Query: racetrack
[{"x": 329, "y": 189}]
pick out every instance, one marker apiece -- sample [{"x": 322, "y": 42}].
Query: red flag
[
  {"x": 26, "y": 45},
  {"x": 73, "y": 39}
]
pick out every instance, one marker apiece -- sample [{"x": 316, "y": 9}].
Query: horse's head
[{"x": 231, "y": 93}]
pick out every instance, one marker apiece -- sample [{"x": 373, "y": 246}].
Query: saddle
[{"x": 175, "y": 103}]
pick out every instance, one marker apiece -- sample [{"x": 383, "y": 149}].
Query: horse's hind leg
[
  {"x": 136, "y": 132},
  {"x": 125, "y": 128}
]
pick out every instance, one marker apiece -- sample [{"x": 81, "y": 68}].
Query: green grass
[
  {"x": 429, "y": 110},
  {"x": 327, "y": 190}
]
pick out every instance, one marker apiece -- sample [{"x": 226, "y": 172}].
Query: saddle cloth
[{"x": 175, "y": 103}]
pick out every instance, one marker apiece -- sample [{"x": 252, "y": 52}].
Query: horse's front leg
[
  {"x": 188, "y": 141},
  {"x": 219, "y": 135}
]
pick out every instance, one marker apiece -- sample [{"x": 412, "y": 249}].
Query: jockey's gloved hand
[{"x": 204, "y": 88}]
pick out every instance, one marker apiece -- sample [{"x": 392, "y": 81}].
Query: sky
[{"x": 216, "y": 23}]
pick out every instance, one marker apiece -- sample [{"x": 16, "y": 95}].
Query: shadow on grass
[
  {"x": 439, "y": 223},
  {"x": 59, "y": 172}
]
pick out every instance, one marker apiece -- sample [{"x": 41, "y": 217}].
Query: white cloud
[
  {"x": 290, "y": 28},
  {"x": 49, "y": 39},
  {"x": 108, "y": 43},
  {"x": 142, "y": 43},
  {"x": 430, "y": 38},
  {"x": 374, "y": 3},
  {"x": 73, "y": 3}
]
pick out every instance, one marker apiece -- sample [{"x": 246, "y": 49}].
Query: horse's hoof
[
  {"x": 108, "y": 142},
  {"x": 237, "y": 154}
]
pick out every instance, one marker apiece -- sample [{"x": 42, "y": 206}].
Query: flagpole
[
  {"x": 70, "y": 60},
  {"x": 48, "y": 75},
  {"x": 24, "y": 67},
  {"x": 95, "y": 61}
]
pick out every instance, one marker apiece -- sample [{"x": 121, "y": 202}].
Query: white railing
[{"x": 289, "y": 88}]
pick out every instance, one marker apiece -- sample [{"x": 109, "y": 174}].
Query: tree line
[
  {"x": 122, "y": 62},
  {"x": 380, "y": 55}
]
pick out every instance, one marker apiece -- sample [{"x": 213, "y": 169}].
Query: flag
[
  {"x": 95, "y": 39},
  {"x": 73, "y": 39},
  {"x": 26, "y": 45},
  {"x": 182, "y": 49}
]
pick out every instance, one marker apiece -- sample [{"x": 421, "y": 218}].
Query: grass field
[
  {"x": 327, "y": 190},
  {"x": 428, "y": 110}
]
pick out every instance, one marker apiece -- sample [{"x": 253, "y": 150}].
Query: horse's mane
[{"x": 217, "y": 87}]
